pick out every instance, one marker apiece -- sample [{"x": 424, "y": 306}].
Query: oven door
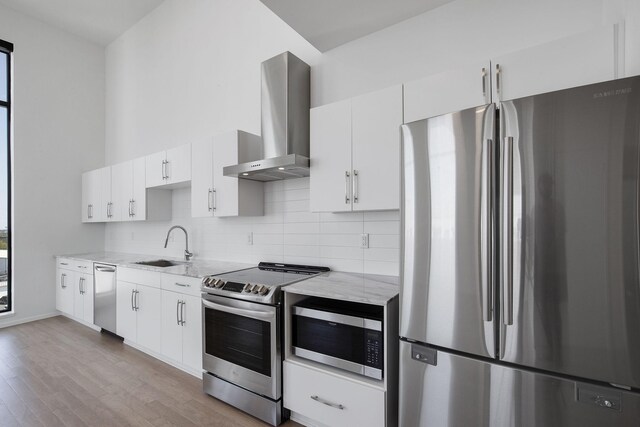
[{"x": 242, "y": 344}]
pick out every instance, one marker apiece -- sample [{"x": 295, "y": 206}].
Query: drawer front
[
  {"x": 182, "y": 284},
  {"x": 317, "y": 395},
  {"x": 139, "y": 276},
  {"x": 75, "y": 265}
]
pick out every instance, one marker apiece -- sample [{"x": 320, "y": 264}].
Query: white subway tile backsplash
[
  {"x": 382, "y": 227},
  {"x": 341, "y": 227},
  {"x": 302, "y": 228},
  {"x": 288, "y": 232}
]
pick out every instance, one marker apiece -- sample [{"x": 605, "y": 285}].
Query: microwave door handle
[{"x": 260, "y": 315}]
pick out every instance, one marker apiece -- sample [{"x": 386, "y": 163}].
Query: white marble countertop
[
  {"x": 194, "y": 268},
  {"x": 365, "y": 288}
]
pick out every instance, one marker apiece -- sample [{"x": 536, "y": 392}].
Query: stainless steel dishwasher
[{"x": 104, "y": 297}]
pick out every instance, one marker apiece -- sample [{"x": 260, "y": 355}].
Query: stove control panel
[{"x": 244, "y": 288}]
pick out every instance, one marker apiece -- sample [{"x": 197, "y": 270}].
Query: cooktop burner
[{"x": 258, "y": 283}]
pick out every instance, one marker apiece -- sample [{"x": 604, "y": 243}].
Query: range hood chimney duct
[{"x": 285, "y": 98}]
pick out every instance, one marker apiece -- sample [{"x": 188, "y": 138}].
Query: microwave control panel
[{"x": 373, "y": 349}]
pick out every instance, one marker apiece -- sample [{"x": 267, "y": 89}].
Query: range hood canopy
[{"x": 285, "y": 100}]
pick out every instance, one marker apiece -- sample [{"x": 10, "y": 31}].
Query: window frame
[{"x": 7, "y": 48}]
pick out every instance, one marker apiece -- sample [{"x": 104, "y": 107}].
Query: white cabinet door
[
  {"x": 171, "y": 327},
  {"x": 376, "y": 120},
  {"x": 155, "y": 169},
  {"x": 64, "y": 291},
  {"x": 330, "y": 172},
  {"x": 232, "y": 196},
  {"x": 442, "y": 93},
  {"x": 87, "y": 286},
  {"x": 91, "y": 195},
  {"x": 202, "y": 179},
  {"x": 578, "y": 60},
  {"x": 103, "y": 213},
  {"x": 121, "y": 182},
  {"x": 78, "y": 296},
  {"x": 86, "y": 196},
  {"x": 125, "y": 314},
  {"x": 138, "y": 190},
  {"x": 192, "y": 332},
  {"x": 178, "y": 167},
  {"x": 149, "y": 322}
]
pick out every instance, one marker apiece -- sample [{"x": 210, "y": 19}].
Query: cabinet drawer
[
  {"x": 139, "y": 276},
  {"x": 75, "y": 265},
  {"x": 316, "y": 395},
  {"x": 182, "y": 284}
]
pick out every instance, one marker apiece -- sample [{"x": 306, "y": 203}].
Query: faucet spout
[{"x": 187, "y": 254}]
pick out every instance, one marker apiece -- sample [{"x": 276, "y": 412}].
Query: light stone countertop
[
  {"x": 195, "y": 268},
  {"x": 356, "y": 287}
]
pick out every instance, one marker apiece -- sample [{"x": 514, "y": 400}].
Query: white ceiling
[
  {"x": 100, "y": 21},
  {"x": 330, "y": 23}
]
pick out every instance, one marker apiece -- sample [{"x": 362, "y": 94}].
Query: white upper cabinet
[
  {"x": 355, "y": 153},
  {"x": 376, "y": 119},
  {"x": 169, "y": 167},
  {"x": 121, "y": 183},
  {"x": 91, "y": 197},
  {"x": 465, "y": 87},
  {"x": 212, "y": 193},
  {"x": 130, "y": 199},
  {"x": 582, "y": 59},
  {"x": 330, "y": 174},
  {"x": 202, "y": 178},
  {"x": 105, "y": 210}
]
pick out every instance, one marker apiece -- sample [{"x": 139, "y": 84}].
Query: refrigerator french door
[{"x": 520, "y": 275}]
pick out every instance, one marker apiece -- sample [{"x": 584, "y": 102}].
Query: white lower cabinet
[
  {"x": 182, "y": 315},
  {"x": 126, "y": 317},
  {"x": 182, "y": 328},
  {"x": 64, "y": 291},
  {"x": 74, "y": 289},
  {"x": 161, "y": 313},
  {"x": 82, "y": 288},
  {"x": 331, "y": 400},
  {"x": 138, "y": 314}
]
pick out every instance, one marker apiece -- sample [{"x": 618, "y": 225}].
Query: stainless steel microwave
[{"x": 343, "y": 334}]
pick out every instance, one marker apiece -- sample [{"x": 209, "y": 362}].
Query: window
[{"x": 6, "y": 50}]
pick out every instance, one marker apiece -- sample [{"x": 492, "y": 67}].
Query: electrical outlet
[
  {"x": 364, "y": 240},
  {"x": 250, "y": 238}
]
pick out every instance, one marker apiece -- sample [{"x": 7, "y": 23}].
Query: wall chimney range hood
[{"x": 284, "y": 122}]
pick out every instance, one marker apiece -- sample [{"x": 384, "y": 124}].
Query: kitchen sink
[{"x": 160, "y": 263}]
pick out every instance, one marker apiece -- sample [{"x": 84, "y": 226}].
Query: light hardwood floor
[{"x": 56, "y": 372}]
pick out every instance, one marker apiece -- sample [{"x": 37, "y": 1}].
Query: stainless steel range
[{"x": 242, "y": 336}]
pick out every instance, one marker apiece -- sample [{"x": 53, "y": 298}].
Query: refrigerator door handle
[
  {"x": 507, "y": 246},
  {"x": 486, "y": 258}
]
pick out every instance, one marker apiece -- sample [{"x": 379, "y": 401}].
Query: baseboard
[
  {"x": 82, "y": 322},
  {"x": 14, "y": 321},
  {"x": 160, "y": 357},
  {"x": 305, "y": 421}
]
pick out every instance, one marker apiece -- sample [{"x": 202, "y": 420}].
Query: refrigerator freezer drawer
[{"x": 462, "y": 391}]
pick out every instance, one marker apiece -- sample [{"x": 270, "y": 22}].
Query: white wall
[
  {"x": 58, "y": 133},
  {"x": 191, "y": 69}
]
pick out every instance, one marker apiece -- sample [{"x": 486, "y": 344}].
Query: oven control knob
[
  {"x": 264, "y": 290},
  {"x": 248, "y": 287},
  {"x": 207, "y": 281},
  {"x": 219, "y": 283},
  {"x": 256, "y": 289}
]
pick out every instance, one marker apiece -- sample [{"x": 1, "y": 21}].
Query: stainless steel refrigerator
[{"x": 520, "y": 298}]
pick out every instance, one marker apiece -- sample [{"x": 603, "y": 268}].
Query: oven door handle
[{"x": 260, "y": 315}]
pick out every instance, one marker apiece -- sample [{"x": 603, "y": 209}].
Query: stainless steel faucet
[{"x": 187, "y": 254}]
